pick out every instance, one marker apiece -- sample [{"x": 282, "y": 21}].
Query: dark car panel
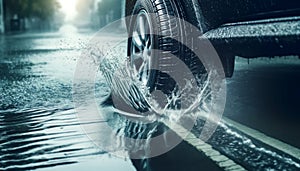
[{"x": 217, "y": 12}]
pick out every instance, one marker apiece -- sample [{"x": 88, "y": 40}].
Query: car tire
[{"x": 172, "y": 31}]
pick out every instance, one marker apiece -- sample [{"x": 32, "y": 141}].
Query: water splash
[{"x": 144, "y": 113}]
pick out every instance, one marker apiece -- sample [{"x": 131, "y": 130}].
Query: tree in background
[
  {"x": 97, "y": 13},
  {"x": 107, "y": 6},
  {"x": 43, "y": 9},
  {"x": 30, "y": 14},
  {"x": 108, "y": 11}
]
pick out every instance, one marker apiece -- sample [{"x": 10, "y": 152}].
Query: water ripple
[{"x": 39, "y": 138}]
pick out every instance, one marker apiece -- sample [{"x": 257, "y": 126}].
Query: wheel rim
[{"x": 141, "y": 47}]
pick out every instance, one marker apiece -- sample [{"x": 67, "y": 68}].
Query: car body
[{"x": 246, "y": 28}]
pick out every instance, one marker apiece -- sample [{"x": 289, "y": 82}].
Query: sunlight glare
[{"x": 68, "y": 7}]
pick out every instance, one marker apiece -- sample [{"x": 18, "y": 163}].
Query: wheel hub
[{"x": 141, "y": 47}]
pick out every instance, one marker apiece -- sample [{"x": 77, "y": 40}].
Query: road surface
[{"x": 39, "y": 128}]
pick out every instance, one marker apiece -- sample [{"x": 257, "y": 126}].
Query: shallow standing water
[{"x": 39, "y": 128}]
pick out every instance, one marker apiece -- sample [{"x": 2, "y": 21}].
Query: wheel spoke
[
  {"x": 136, "y": 56},
  {"x": 141, "y": 28},
  {"x": 142, "y": 68},
  {"x": 137, "y": 42},
  {"x": 144, "y": 72},
  {"x": 138, "y": 63},
  {"x": 147, "y": 33},
  {"x": 148, "y": 44}
]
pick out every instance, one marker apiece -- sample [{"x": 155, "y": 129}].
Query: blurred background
[
  {"x": 50, "y": 15},
  {"x": 41, "y": 44}
]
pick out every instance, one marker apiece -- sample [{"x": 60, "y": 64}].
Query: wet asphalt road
[
  {"x": 264, "y": 95},
  {"x": 38, "y": 124}
]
